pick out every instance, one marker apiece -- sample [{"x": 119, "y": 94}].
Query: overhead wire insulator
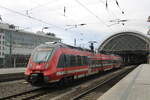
[
  {"x": 0, "y": 18},
  {"x": 64, "y": 10},
  {"x": 119, "y": 7},
  {"x": 117, "y": 3},
  {"x": 106, "y": 4}
]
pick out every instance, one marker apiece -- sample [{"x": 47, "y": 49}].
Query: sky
[{"x": 99, "y": 21}]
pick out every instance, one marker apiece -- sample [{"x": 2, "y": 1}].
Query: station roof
[{"x": 131, "y": 42}]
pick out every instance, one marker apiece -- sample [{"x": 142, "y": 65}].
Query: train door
[
  {"x": 62, "y": 63},
  {"x": 89, "y": 65},
  {"x": 101, "y": 63},
  {"x": 65, "y": 60}
]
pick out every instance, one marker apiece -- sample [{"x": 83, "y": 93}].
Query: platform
[
  {"x": 11, "y": 70},
  {"x": 9, "y": 74},
  {"x": 135, "y": 86}
]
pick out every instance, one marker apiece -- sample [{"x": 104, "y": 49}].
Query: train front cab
[{"x": 38, "y": 65}]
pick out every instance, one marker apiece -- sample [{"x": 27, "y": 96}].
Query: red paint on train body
[{"x": 56, "y": 61}]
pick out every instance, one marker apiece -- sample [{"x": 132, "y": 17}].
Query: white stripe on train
[
  {"x": 81, "y": 70},
  {"x": 71, "y": 71}
]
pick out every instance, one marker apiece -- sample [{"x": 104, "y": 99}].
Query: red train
[{"x": 55, "y": 62}]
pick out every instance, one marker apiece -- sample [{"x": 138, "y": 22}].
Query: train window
[
  {"x": 92, "y": 62},
  {"x": 113, "y": 61},
  {"x": 104, "y": 62},
  {"x": 76, "y": 61},
  {"x": 62, "y": 61},
  {"x": 67, "y": 60},
  {"x": 109, "y": 62},
  {"x": 99, "y": 61},
  {"x": 85, "y": 60},
  {"x": 72, "y": 60},
  {"x": 96, "y": 62},
  {"x": 82, "y": 60},
  {"x": 79, "y": 60},
  {"x": 42, "y": 54}
]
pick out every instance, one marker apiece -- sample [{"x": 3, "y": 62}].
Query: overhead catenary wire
[
  {"x": 117, "y": 3},
  {"x": 107, "y": 8},
  {"x": 119, "y": 7},
  {"x": 106, "y": 4},
  {"x": 39, "y": 5},
  {"x": 39, "y": 20},
  {"x": 98, "y": 18},
  {"x": 44, "y": 6}
]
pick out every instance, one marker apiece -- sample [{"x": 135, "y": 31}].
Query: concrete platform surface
[
  {"x": 11, "y": 70},
  {"x": 135, "y": 86}
]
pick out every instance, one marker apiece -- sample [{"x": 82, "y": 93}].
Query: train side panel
[{"x": 65, "y": 62}]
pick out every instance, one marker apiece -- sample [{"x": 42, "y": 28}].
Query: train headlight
[
  {"x": 30, "y": 65},
  {"x": 46, "y": 66}
]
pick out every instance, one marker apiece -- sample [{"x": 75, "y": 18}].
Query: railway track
[
  {"x": 111, "y": 81},
  {"x": 25, "y": 95},
  {"x": 103, "y": 83},
  {"x": 48, "y": 93},
  {"x": 38, "y": 93}
]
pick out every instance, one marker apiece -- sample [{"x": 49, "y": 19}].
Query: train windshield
[{"x": 42, "y": 54}]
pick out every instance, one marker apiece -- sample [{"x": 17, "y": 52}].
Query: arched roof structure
[{"x": 131, "y": 42}]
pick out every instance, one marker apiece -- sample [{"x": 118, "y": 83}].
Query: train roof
[{"x": 59, "y": 44}]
